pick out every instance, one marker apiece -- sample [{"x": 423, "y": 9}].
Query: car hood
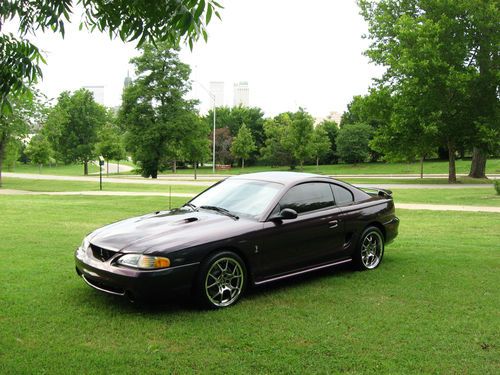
[{"x": 164, "y": 231}]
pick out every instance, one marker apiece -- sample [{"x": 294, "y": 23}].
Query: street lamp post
[{"x": 212, "y": 96}]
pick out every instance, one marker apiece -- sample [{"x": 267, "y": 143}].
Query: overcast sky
[{"x": 292, "y": 53}]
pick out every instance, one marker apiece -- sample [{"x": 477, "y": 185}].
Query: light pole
[{"x": 212, "y": 96}]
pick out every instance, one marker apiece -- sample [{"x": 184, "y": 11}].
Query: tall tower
[
  {"x": 241, "y": 94},
  {"x": 217, "y": 89},
  {"x": 127, "y": 81}
]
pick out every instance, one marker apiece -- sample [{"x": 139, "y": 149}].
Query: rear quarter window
[{"x": 342, "y": 195}]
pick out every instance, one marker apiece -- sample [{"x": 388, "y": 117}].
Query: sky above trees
[{"x": 293, "y": 53}]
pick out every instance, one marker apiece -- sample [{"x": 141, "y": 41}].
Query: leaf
[
  {"x": 209, "y": 13},
  {"x": 200, "y": 9}
]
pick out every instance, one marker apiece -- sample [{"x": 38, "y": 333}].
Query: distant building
[
  {"x": 98, "y": 92},
  {"x": 127, "y": 81},
  {"x": 241, "y": 94},
  {"x": 332, "y": 116},
  {"x": 217, "y": 89}
]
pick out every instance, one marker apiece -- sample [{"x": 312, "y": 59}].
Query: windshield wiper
[
  {"x": 191, "y": 206},
  {"x": 220, "y": 210}
]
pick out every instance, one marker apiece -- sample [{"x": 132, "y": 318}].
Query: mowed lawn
[{"x": 433, "y": 306}]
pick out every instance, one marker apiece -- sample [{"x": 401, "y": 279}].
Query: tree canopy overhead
[{"x": 171, "y": 21}]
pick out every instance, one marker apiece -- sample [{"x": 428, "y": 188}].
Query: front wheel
[
  {"x": 222, "y": 280},
  {"x": 370, "y": 249}
]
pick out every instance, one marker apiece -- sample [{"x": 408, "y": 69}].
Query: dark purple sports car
[{"x": 245, "y": 230}]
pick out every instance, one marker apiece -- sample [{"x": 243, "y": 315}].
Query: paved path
[
  {"x": 181, "y": 180},
  {"x": 113, "y": 168},
  {"x": 406, "y": 206}
]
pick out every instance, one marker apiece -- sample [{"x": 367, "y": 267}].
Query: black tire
[
  {"x": 221, "y": 281},
  {"x": 369, "y": 249}
]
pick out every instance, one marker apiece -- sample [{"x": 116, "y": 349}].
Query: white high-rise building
[
  {"x": 241, "y": 94},
  {"x": 98, "y": 92},
  {"x": 217, "y": 89}
]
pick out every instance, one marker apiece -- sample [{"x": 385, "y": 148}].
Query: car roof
[{"x": 280, "y": 177}]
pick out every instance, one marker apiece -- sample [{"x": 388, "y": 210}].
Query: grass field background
[
  {"x": 464, "y": 196},
  {"x": 431, "y": 167},
  {"x": 432, "y": 306}
]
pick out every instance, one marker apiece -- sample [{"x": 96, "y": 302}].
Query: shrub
[{"x": 496, "y": 184}]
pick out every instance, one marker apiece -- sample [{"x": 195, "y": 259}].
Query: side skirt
[{"x": 296, "y": 273}]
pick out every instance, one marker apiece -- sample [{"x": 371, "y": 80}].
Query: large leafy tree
[
  {"x": 299, "y": 136},
  {"x": 27, "y": 113},
  {"x": 73, "y": 125},
  {"x": 110, "y": 144},
  {"x": 233, "y": 118},
  {"x": 274, "y": 151},
  {"x": 352, "y": 143},
  {"x": 320, "y": 143},
  {"x": 39, "y": 150},
  {"x": 154, "y": 112},
  {"x": 141, "y": 21},
  {"x": 243, "y": 144},
  {"x": 332, "y": 129},
  {"x": 435, "y": 45}
]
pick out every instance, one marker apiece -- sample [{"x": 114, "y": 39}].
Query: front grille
[{"x": 101, "y": 254}]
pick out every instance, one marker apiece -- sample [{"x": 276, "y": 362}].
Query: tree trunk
[
  {"x": 118, "y": 167},
  {"x": 39, "y": 169},
  {"x": 422, "y": 167},
  {"x": 195, "y": 165},
  {"x": 242, "y": 163},
  {"x": 107, "y": 167},
  {"x": 478, "y": 165},
  {"x": 452, "y": 174},
  {"x": 174, "y": 166},
  {"x": 85, "y": 168},
  {"x": 317, "y": 162}
]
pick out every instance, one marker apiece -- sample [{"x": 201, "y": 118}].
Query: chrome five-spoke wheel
[
  {"x": 223, "y": 281},
  {"x": 370, "y": 249}
]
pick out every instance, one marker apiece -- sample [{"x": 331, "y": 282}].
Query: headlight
[{"x": 144, "y": 261}]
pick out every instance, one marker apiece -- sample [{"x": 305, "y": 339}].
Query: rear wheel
[
  {"x": 222, "y": 280},
  {"x": 370, "y": 249}
]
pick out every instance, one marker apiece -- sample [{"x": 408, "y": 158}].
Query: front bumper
[{"x": 132, "y": 283}]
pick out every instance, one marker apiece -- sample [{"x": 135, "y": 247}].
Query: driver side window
[{"x": 307, "y": 197}]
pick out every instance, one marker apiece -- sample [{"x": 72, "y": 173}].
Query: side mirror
[{"x": 285, "y": 214}]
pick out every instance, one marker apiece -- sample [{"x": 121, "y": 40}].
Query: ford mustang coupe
[{"x": 244, "y": 231}]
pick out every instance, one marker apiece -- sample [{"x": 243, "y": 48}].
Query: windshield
[{"x": 241, "y": 197}]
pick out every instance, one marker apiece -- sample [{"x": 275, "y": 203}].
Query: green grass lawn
[
  {"x": 466, "y": 197},
  {"x": 62, "y": 170},
  {"x": 462, "y": 166},
  {"x": 432, "y": 306},
  {"x": 56, "y": 185}
]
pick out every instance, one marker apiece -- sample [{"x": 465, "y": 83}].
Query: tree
[
  {"x": 39, "y": 150},
  {"x": 437, "y": 46},
  {"x": 243, "y": 144},
  {"x": 332, "y": 130},
  {"x": 320, "y": 143},
  {"x": 195, "y": 147},
  {"x": 233, "y": 118},
  {"x": 274, "y": 151},
  {"x": 223, "y": 141},
  {"x": 138, "y": 20},
  {"x": 154, "y": 113},
  {"x": 26, "y": 111},
  {"x": 110, "y": 144},
  {"x": 74, "y": 123},
  {"x": 299, "y": 136},
  {"x": 352, "y": 143}
]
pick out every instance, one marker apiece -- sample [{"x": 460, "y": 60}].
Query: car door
[{"x": 314, "y": 237}]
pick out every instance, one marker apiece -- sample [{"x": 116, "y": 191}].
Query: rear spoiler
[{"x": 380, "y": 192}]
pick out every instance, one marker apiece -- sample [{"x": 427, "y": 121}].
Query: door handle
[{"x": 333, "y": 224}]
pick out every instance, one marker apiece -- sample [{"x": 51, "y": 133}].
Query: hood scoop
[{"x": 187, "y": 220}]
